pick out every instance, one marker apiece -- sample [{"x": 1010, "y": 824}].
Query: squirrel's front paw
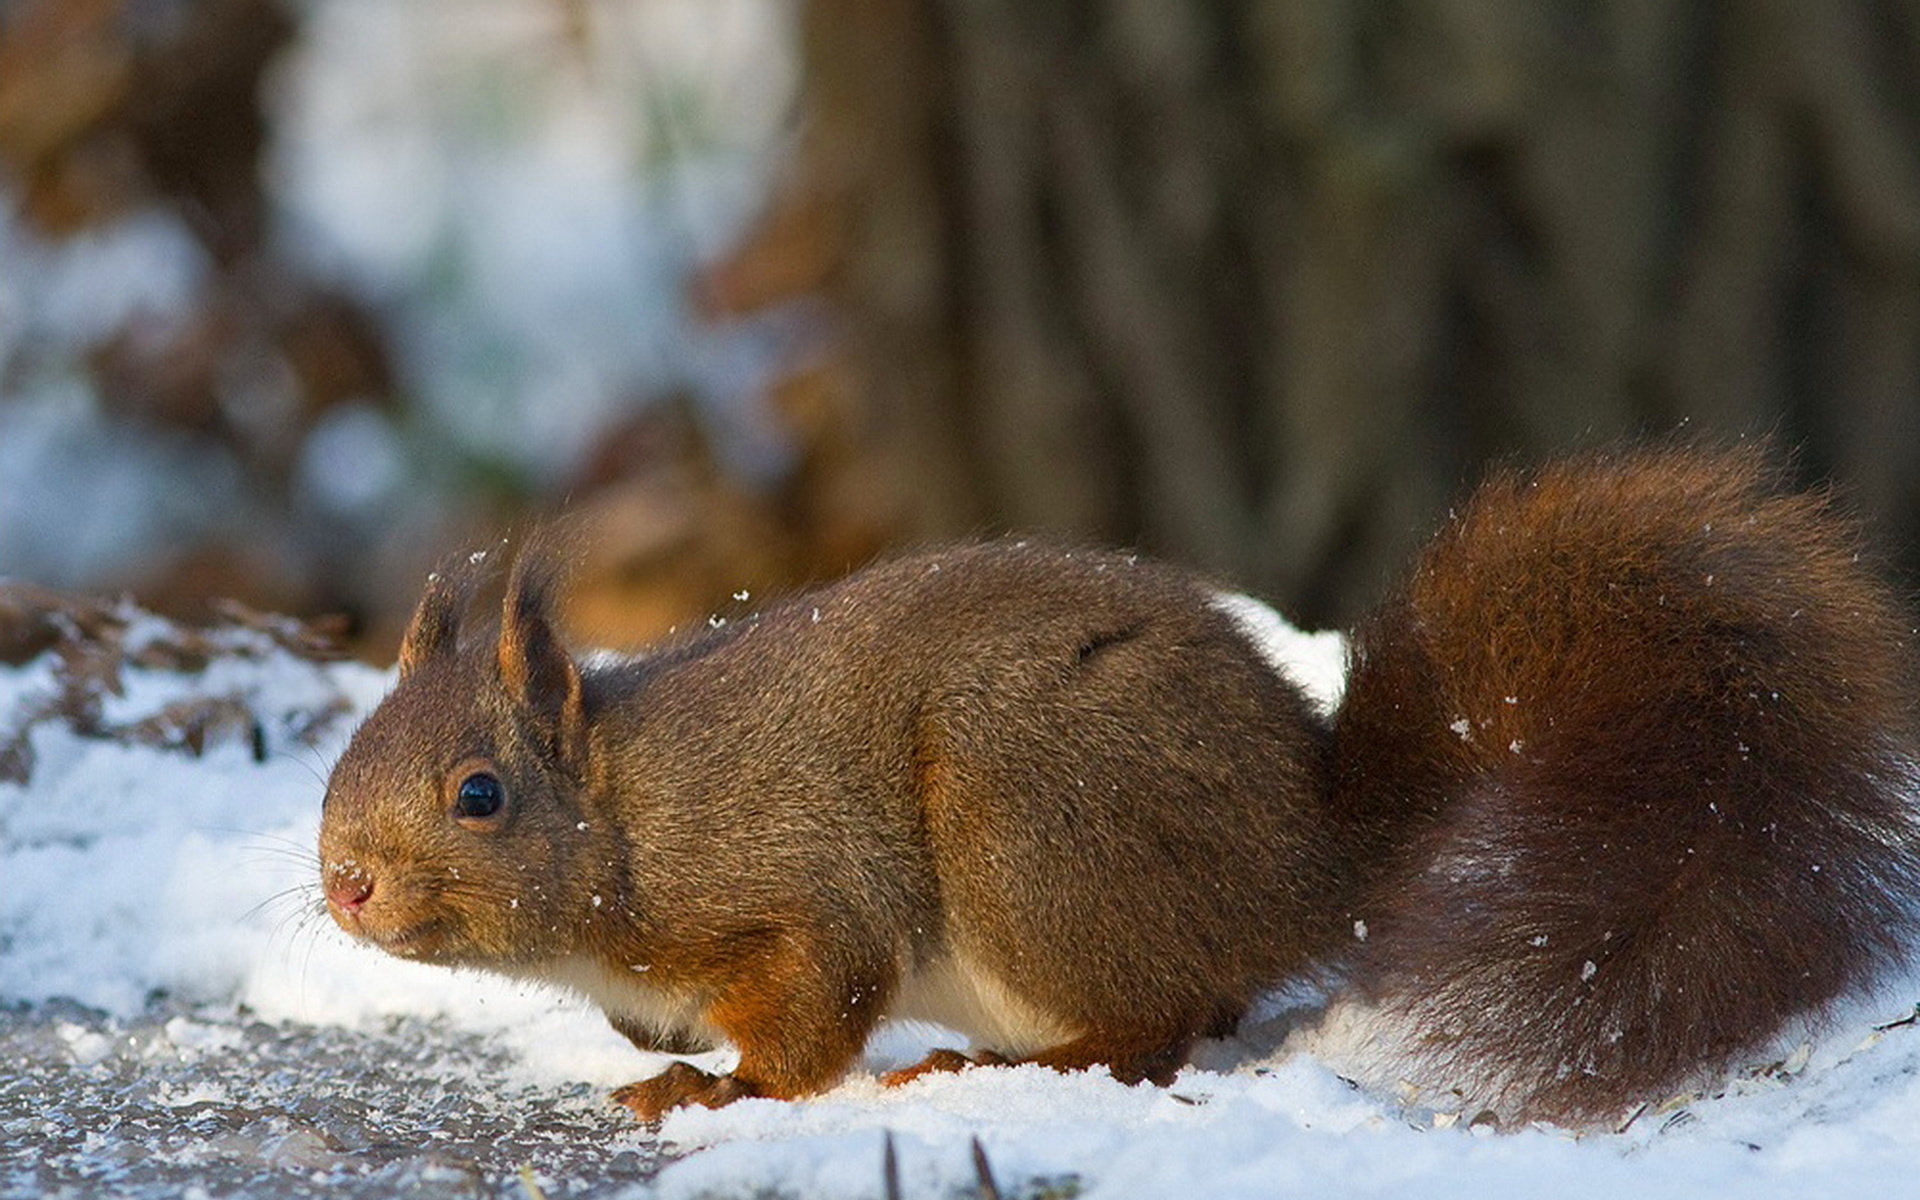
[{"x": 678, "y": 1085}]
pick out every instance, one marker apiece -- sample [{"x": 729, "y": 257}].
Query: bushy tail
[{"x": 1653, "y": 725}]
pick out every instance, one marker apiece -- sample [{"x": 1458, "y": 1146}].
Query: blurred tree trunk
[{"x": 1260, "y": 284}]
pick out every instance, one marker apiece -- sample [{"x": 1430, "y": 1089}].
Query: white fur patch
[
  {"x": 1316, "y": 663},
  {"x": 968, "y": 999},
  {"x": 629, "y": 996}
]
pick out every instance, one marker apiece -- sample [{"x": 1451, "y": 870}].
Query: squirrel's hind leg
[
  {"x": 943, "y": 1062},
  {"x": 1130, "y": 1061}
]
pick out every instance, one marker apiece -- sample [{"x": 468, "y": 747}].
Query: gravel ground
[{"x": 203, "y": 1103}]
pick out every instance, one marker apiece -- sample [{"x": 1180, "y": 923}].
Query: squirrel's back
[{"x": 1640, "y": 729}]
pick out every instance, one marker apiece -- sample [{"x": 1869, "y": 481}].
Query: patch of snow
[{"x": 127, "y": 870}]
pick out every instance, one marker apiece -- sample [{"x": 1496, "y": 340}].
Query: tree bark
[{"x": 1261, "y": 286}]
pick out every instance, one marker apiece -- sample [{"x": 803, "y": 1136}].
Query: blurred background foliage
[{"x": 297, "y": 294}]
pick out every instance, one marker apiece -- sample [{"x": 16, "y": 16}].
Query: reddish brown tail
[{"x": 1653, "y": 726}]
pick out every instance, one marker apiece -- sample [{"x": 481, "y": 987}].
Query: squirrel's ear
[
  {"x": 536, "y": 669},
  {"x": 434, "y": 630}
]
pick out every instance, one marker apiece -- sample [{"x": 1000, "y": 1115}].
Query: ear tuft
[
  {"x": 535, "y": 668},
  {"x": 434, "y": 630}
]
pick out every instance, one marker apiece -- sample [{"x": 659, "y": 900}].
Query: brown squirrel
[{"x": 1619, "y": 789}]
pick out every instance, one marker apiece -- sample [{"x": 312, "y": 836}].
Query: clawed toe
[{"x": 679, "y": 1085}]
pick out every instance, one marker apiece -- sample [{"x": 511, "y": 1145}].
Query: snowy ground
[{"x": 178, "y": 1020}]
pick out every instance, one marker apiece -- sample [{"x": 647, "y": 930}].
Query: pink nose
[{"x": 349, "y": 892}]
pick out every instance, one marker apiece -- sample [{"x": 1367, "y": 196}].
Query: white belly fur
[
  {"x": 628, "y": 996},
  {"x": 967, "y": 999},
  {"x": 948, "y": 991}
]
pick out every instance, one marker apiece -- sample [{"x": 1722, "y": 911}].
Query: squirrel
[{"x": 1621, "y": 787}]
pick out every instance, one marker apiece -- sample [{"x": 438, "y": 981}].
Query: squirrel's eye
[{"x": 480, "y": 795}]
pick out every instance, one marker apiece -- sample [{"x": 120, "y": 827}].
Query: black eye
[{"x": 480, "y": 795}]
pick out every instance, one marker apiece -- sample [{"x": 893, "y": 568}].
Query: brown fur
[
  {"x": 1071, "y": 771},
  {"x": 1640, "y": 733}
]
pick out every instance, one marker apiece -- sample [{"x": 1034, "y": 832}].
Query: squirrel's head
[{"x": 453, "y": 829}]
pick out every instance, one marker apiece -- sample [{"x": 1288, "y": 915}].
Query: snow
[{"x": 128, "y": 871}]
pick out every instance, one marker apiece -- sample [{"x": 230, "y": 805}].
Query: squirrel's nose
[{"x": 348, "y": 892}]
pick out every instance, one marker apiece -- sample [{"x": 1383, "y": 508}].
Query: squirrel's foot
[
  {"x": 1129, "y": 1060},
  {"x": 943, "y": 1062},
  {"x": 679, "y": 1085}
]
